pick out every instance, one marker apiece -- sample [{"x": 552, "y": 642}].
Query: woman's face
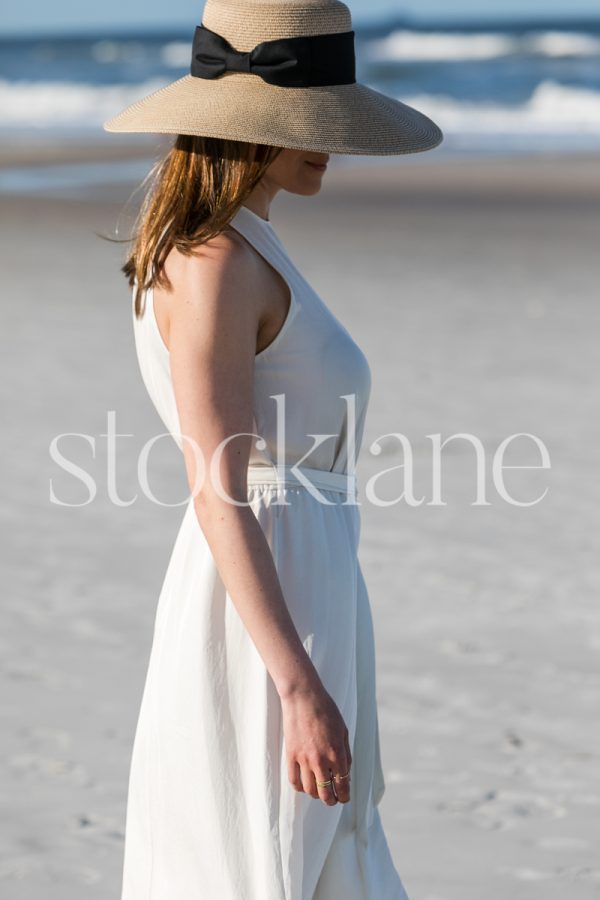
[{"x": 296, "y": 171}]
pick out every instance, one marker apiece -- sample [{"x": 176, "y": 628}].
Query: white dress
[{"x": 211, "y": 814}]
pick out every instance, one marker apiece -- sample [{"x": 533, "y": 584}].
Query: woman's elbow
[{"x": 216, "y": 498}]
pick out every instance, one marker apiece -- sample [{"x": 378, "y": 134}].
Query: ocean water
[{"x": 530, "y": 86}]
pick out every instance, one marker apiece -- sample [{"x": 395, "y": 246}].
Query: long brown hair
[{"x": 195, "y": 189}]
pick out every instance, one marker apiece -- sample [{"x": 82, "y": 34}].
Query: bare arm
[{"x": 213, "y": 324}]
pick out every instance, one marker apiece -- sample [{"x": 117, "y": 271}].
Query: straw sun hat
[{"x": 280, "y": 72}]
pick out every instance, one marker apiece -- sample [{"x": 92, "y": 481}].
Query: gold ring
[
  {"x": 323, "y": 783},
  {"x": 341, "y": 777}
]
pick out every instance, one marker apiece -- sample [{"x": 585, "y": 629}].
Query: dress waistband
[{"x": 342, "y": 482}]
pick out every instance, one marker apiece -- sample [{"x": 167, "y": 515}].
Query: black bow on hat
[{"x": 303, "y": 61}]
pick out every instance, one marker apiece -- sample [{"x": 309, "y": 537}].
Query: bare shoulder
[
  {"x": 219, "y": 280},
  {"x": 222, "y": 269}
]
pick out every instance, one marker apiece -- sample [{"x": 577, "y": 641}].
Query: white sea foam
[
  {"x": 564, "y": 43},
  {"x": 410, "y": 46},
  {"x": 414, "y": 46},
  {"x": 44, "y": 104},
  {"x": 552, "y": 109},
  {"x": 176, "y": 54}
]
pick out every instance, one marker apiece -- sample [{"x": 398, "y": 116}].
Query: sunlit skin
[
  {"x": 225, "y": 303},
  {"x": 294, "y": 171}
]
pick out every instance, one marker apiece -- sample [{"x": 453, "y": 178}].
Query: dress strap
[{"x": 260, "y": 233}]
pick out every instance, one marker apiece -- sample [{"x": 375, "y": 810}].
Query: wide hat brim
[{"x": 341, "y": 118}]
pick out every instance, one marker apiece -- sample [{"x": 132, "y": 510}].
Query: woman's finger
[
  {"x": 308, "y": 780},
  {"x": 294, "y": 775},
  {"x": 341, "y": 785},
  {"x": 326, "y": 791}
]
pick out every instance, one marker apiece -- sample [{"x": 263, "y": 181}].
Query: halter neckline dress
[{"x": 210, "y": 809}]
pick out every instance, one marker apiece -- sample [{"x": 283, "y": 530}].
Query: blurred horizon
[{"x": 114, "y": 17}]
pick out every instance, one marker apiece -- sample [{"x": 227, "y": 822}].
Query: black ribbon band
[{"x": 305, "y": 61}]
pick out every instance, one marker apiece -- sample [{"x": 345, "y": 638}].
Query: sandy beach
[{"x": 472, "y": 287}]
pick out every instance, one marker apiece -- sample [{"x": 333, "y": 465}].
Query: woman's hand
[{"x": 316, "y": 741}]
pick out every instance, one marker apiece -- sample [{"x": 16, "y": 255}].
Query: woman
[{"x": 256, "y": 770}]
